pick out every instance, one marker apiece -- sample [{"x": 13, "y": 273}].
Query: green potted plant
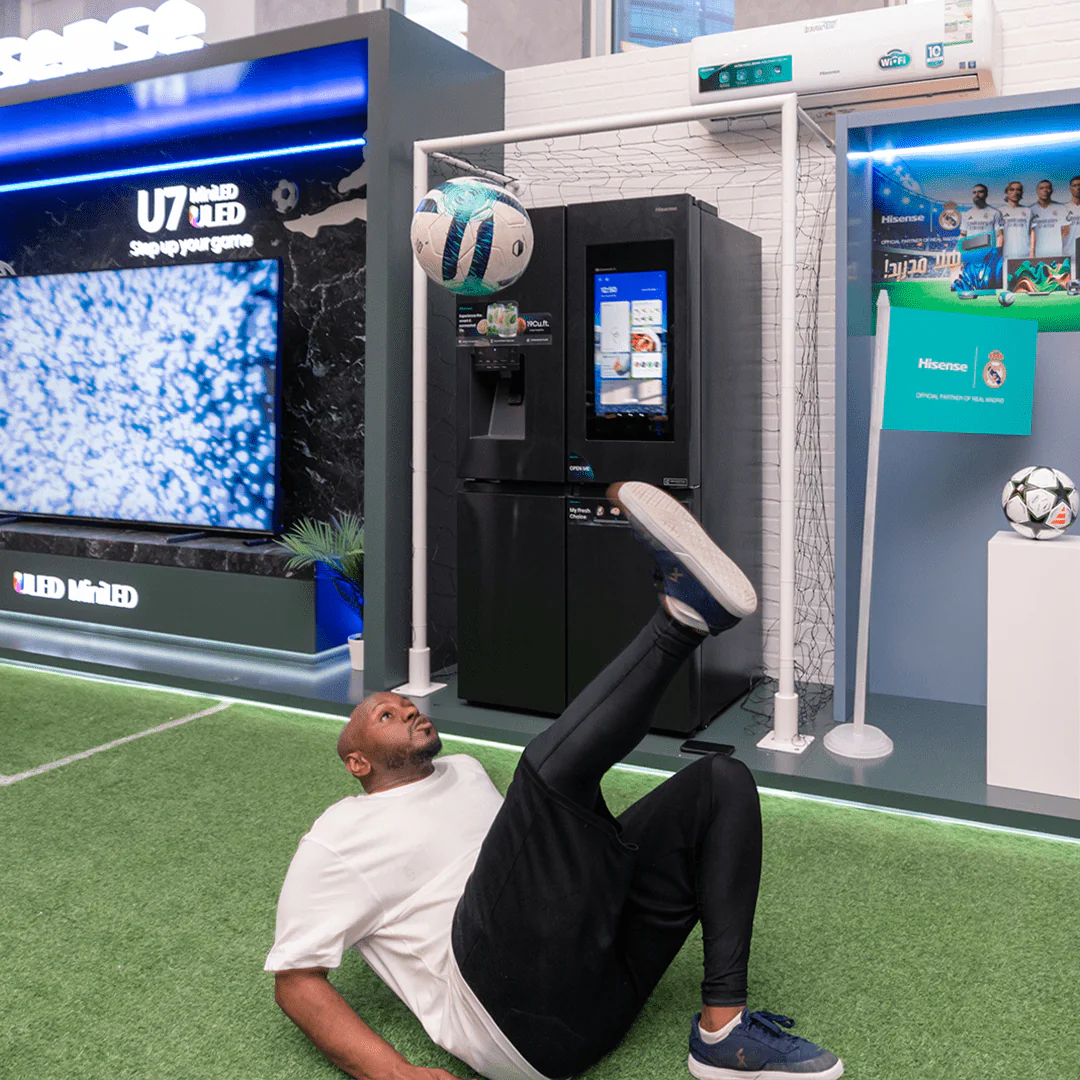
[{"x": 336, "y": 545}]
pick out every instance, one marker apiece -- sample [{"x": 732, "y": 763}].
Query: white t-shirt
[
  {"x": 975, "y": 221},
  {"x": 1072, "y": 219},
  {"x": 1016, "y": 222},
  {"x": 383, "y": 873},
  {"x": 1047, "y": 223}
]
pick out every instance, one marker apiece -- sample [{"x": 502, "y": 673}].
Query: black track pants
[{"x": 571, "y": 916}]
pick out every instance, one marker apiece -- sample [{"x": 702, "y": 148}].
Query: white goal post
[{"x": 785, "y": 733}]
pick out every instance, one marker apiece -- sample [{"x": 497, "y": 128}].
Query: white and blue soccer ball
[
  {"x": 1040, "y": 502},
  {"x": 1005, "y": 298},
  {"x": 472, "y": 236}
]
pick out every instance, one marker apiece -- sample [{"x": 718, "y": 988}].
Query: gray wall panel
[
  {"x": 10, "y": 18},
  {"x": 421, "y": 87},
  {"x": 517, "y": 35},
  {"x": 939, "y": 494},
  {"x": 938, "y": 505},
  {"x": 280, "y": 14}
]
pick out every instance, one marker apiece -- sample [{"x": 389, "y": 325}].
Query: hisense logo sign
[
  {"x": 128, "y": 37},
  {"x": 85, "y": 591},
  {"x": 927, "y": 364}
]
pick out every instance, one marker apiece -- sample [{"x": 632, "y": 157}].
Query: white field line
[{"x": 6, "y": 781}]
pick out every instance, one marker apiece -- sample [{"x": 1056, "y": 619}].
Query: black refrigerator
[{"x": 630, "y": 349}]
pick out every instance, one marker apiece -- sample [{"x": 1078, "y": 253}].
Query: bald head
[
  {"x": 387, "y": 742},
  {"x": 352, "y": 734}
]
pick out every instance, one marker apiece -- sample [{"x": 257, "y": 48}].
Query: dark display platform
[
  {"x": 135, "y": 545},
  {"x": 215, "y": 591}
]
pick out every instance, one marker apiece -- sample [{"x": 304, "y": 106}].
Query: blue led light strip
[
  {"x": 197, "y": 163},
  {"x": 968, "y": 146}
]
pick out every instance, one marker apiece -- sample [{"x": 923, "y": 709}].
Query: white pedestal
[{"x": 1033, "y": 664}]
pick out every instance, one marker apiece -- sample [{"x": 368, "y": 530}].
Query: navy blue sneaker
[
  {"x": 759, "y": 1047},
  {"x": 693, "y": 570}
]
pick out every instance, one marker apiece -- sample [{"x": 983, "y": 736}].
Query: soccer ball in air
[
  {"x": 1040, "y": 502},
  {"x": 472, "y": 236},
  {"x": 1005, "y": 298}
]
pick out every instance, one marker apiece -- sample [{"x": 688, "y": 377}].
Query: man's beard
[{"x": 421, "y": 755}]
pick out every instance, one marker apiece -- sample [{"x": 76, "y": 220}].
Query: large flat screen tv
[{"x": 146, "y": 395}]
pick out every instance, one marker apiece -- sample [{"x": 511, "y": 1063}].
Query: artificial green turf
[
  {"x": 45, "y": 716},
  {"x": 137, "y": 895}
]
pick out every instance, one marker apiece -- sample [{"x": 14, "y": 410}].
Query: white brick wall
[{"x": 739, "y": 172}]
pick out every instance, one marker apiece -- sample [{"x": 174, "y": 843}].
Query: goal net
[{"x": 736, "y": 166}]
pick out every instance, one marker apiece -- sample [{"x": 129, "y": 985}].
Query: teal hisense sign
[{"x": 954, "y": 372}]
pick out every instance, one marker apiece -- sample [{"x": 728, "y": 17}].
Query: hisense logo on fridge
[
  {"x": 127, "y": 37},
  {"x": 84, "y": 591},
  {"x": 208, "y": 207}
]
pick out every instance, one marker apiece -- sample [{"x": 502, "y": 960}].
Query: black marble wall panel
[
  {"x": 324, "y": 346},
  {"x": 309, "y": 211}
]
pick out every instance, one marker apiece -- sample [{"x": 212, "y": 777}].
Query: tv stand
[
  {"x": 212, "y": 588},
  {"x": 183, "y": 538}
]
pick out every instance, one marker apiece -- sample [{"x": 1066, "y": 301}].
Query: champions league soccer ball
[
  {"x": 1005, "y": 298},
  {"x": 472, "y": 236},
  {"x": 1040, "y": 502}
]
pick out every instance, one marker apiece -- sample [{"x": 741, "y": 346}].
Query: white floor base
[
  {"x": 419, "y": 684},
  {"x": 410, "y": 691},
  {"x": 870, "y": 742},
  {"x": 797, "y": 745}
]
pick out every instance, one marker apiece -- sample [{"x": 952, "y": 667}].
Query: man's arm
[{"x": 309, "y": 1000}]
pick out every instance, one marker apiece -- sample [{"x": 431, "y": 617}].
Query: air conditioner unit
[{"x": 865, "y": 59}]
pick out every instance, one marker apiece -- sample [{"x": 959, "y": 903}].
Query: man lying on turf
[{"x": 527, "y": 934}]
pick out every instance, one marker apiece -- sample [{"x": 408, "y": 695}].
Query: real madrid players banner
[
  {"x": 957, "y": 228},
  {"x": 963, "y": 373}
]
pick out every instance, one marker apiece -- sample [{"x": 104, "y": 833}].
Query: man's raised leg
[{"x": 705, "y": 593}]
